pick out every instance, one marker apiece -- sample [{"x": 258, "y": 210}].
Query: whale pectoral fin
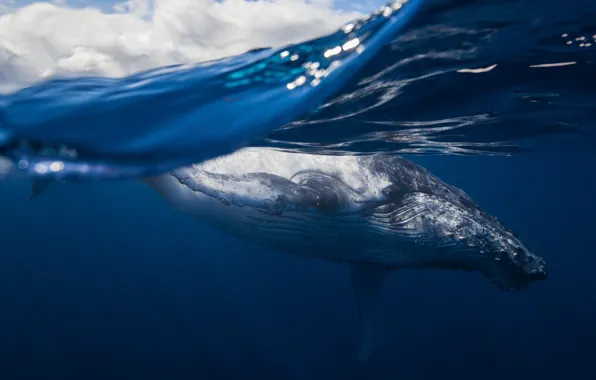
[{"x": 367, "y": 283}]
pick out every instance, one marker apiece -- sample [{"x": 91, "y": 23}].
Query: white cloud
[
  {"x": 7, "y": 7},
  {"x": 43, "y": 39}
]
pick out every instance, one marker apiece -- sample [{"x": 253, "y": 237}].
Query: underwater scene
[{"x": 297, "y": 189}]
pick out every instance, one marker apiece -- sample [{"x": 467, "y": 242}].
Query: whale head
[
  {"x": 510, "y": 265},
  {"x": 449, "y": 231},
  {"x": 465, "y": 237}
]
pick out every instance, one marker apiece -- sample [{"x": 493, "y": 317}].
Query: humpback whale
[{"x": 377, "y": 213}]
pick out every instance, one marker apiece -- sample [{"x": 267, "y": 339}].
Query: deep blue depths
[{"x": 104, "y": 280}]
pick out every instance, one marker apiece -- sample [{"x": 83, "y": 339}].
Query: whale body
[
  {"x": 377, "y": 213},
  {"x": 381, "y": 210}
]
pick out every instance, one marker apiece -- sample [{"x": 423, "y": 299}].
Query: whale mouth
[
  {"x": 535, "y": 270},
  {"x": 511, "y": 277}
]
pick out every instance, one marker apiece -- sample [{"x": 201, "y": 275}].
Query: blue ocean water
[{"x": 103, "y": 280}]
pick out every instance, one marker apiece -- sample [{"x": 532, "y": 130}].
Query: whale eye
[{"x": 393, "y": 192}]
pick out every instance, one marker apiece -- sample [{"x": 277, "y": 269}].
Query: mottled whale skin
[
  {"x": 381, "y": 210},
  {"x": 377, "y": 213}
]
